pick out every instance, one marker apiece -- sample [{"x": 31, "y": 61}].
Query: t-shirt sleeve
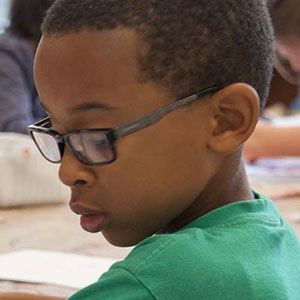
[
  {"x": 116, "y": 284},
  {"x": 15, "y": 97}
]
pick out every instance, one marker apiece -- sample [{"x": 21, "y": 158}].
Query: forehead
[
  {"x": 76, "y": 62},
  {"x": 99, "y": 66}
]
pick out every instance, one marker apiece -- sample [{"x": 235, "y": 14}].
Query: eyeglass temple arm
[
  {"x": 43, "y": 123},
  {"x": 155, "y": 116}
]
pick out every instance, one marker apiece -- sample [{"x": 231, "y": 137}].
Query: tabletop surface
[{"x": 56, "y": 228}]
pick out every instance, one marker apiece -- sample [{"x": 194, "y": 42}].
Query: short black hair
[
  {"x": 26, "y": 17},
  {"x": 192, "y": 44}
]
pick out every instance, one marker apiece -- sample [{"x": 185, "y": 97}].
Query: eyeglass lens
[
  {"x": 92, "y": 147},
  {"x": 89, "y": 147},
  {"x": 48, "y": 146}
]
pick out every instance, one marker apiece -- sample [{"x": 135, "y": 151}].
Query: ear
[{"x": 235, "y": 115}]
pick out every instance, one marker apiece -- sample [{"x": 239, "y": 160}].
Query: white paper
[
  {"x": 284, "y": 169},
  {"x": 287, "y": 121},
  {"x": 63, "y": 269},
  {"x": 278, "y": 178}
]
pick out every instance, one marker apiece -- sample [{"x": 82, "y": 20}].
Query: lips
[
  {"x": 94, "y": 223},
  {"x": 91, "y": 220}
]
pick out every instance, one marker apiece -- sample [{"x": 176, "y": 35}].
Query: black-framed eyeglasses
[{"x": 97, "y": 146}]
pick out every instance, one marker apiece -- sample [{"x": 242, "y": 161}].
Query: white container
[{"x": 27, "y": 178}]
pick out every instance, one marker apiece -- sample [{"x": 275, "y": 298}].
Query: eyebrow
[{"x": 88, "y": 106}]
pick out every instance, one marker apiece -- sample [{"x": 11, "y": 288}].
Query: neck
[{"x": 229, "y": 185}]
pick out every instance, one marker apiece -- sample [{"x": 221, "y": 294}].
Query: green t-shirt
[{"x": 242, "y": 251}]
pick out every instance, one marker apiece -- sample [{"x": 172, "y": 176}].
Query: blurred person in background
[
  {"x": 268, "y": 140},
  {"x": 19, "y": 103}
]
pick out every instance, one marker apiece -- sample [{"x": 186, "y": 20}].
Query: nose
[{"x": 73, "y": 173}]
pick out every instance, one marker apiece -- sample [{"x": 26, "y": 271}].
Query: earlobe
[{"x": 236, "y": 112}]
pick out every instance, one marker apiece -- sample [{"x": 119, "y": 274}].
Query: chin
[{"x": 121, "y": 240}]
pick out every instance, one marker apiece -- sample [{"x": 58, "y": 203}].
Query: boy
[{"x": 176, "y": 81}]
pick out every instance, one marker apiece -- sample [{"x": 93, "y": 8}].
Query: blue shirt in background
[{"x": 19, "y": 102}]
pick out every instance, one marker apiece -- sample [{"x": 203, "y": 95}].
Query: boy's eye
[{"x": 100, "y": 144}]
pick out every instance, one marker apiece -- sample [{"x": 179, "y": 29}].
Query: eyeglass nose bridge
[
  {"x": 62, "y": 142},
  {"x": 61, "y": 147}
]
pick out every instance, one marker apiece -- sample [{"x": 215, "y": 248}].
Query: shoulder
[
  {"x": 189, "y": 263},
  {"x": 116, "y": 284},
  {"x": 160, "y": 247},
  {"x": 228, "y": 258},
  {"x": 207, "y": 247}
]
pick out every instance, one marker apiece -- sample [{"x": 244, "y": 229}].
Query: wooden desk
[
  {"x": 49, "y": 228},
  {"x": 57, "y": 228}
]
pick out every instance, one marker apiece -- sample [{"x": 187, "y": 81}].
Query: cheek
[
  {"x": 151, "y": 183},
  {"x": 165, "y": 175},
  {"x": 158, "y": 160}
]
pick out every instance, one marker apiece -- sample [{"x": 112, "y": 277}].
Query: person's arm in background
[
  {"x": 17, "y": 296},
  {"x": 271, "y": 141},
  {"x": 16, "y": 111}
]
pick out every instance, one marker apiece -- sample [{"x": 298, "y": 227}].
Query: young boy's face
[{"x": 91, "y": 80}]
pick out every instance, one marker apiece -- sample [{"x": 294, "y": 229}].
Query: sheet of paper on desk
[
  {"x": 287, "y": 121},
  {"x": 70, "y": 270},
  {"x": 278, "y": 178}
]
